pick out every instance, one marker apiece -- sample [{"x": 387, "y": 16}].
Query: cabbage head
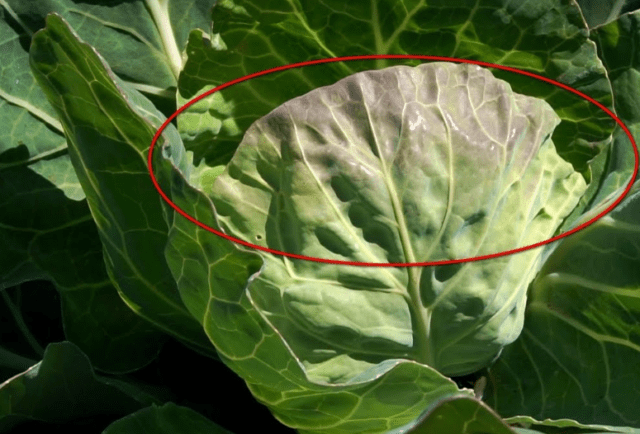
[{"x": 399, "y": 165}]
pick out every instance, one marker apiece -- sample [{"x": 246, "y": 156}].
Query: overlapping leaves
[
  {"x": 109, "y": 127},
  {"x": 46, "y": 229},
  {"x": 546, "y": 37},
  {"x": 593, "y": 316}
]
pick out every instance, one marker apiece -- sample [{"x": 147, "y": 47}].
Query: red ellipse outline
[{"x": 391, "y": 56}]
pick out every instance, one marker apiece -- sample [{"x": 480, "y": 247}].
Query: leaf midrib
[{"x": 421, "y": 316}]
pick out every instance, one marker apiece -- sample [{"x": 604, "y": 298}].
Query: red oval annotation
[{"x": 392, "y": 56}]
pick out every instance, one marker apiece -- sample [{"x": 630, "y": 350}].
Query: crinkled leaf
[
  {"x": 110, "y": 127},
  {"x": 546, "y": 37},
  {"x": 612, "y": 169},
  {"x": 615, "y": 43},
  {"x": 608, "y": 171}
]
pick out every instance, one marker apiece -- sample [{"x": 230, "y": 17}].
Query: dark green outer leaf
[
  {"x": 110, "y": 128},
  {"x": 46, "y": 229},
  {"x": 33, "y": 175},
  {"x": 63, "y": 388},
  {"x": 618, "y": 44},
  {"x": 546, "y": 37},
  {"x": 564, "y": 426},
  {"x": 581, "y": 336},
  {"x": 581, "y": 339},
  {"x": 461, "y": 415},
  {"x": 140, "y": 39},
  {"x": 598, "y": 12},
  {"x": 167, "y": 419},
  {"x": 36, "y": 176},
  {"x": 93, "y": 314}
]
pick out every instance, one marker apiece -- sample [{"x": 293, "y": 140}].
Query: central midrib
[{"x": 421, "y": 316}]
